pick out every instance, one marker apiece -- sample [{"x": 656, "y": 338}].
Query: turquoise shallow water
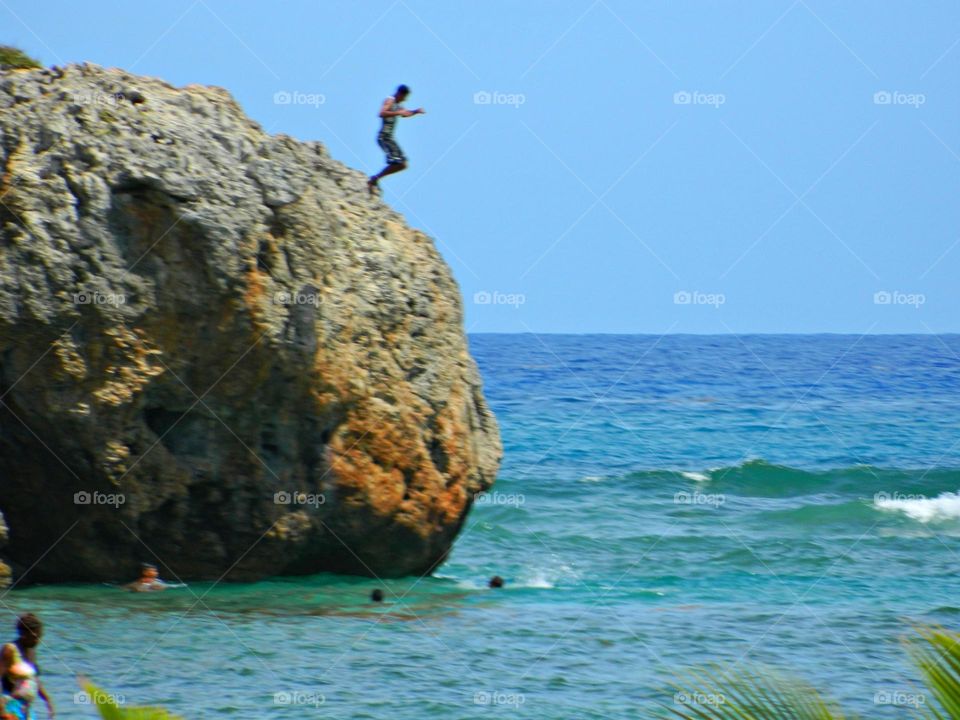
[{"x": 663, "y": 502}]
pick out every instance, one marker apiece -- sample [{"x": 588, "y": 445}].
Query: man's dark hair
[
  {"x": 147, "y": 566},
  {"x": 496, "y": 581},
  {"x": 29, "y": 624},
  {"x": 402, "y": 89},
  {"x": 377, "y": 595}
]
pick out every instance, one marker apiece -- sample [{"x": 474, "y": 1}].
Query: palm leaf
[
  {"x": 110, "y": 709},
  {"x": 715, "y": 694},
  {"x": 936, "y": 652}
]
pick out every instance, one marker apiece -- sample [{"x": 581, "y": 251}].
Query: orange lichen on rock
[
  {"x": 454, "y": 437},
  {"x": 71, "y": 362},
  {"x": 130, "y": 367},
  {"x": 374, "y": 453},
  {"x": 254, "y": 295},
  {"x": 290, "y": 526},
  {"x": 381, "y": 457},
  {"x": 114, "y": 459}
]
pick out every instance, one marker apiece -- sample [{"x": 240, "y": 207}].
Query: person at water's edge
[
  {"x": 148, "y": 581},
  {"x": 392, "y": 109},
  {"x": 29, "y": 633}
]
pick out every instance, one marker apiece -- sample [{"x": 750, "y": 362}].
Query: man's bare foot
[{"x": 372, "y": 186}]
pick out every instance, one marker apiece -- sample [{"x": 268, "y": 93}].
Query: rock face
[
  {"x": 217, "y": 353},
  {"x": 4, "y": 568}
]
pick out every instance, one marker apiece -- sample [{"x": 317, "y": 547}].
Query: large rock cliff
[{"x": 217, "y": 352}]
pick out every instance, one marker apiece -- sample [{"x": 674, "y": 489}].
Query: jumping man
[{"x": 390, "y": 111}]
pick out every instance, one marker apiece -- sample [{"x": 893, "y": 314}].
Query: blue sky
[{"x": 610, "y": 165}]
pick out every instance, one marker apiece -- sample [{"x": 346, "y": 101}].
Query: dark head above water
[
  {"x": 377, "y": 595},
  {"x": 148, "y": 572},
  {"x": 496, "y": 582},
  {"x": 29, "y": 630}
]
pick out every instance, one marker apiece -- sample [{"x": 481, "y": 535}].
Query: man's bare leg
[{"x": 390, "y": 169}]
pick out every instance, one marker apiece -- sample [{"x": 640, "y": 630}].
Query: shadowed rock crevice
[{"x": 264, "y": 368}]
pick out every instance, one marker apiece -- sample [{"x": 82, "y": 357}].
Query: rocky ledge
[{"x": 217, "y": 352}]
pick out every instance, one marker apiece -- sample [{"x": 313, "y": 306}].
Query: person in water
[
  {"x": 377, "y": 595},
  {"x": 496, "y": 582},
  {"x": 392, "y": 109},
  {"x": 148, "y": 581},
  {"x": 20, "y": 672}
]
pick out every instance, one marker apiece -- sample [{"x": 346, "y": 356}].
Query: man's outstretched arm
[{"x": 386, "y": 111}]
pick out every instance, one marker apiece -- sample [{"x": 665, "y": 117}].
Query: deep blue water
[{"x": 663, "y": 502}]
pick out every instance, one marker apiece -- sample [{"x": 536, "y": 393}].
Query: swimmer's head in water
[
  {"x": 496, "y": 581},
  {"x": 29, "y": 629},
  {"x": 377, "y": 595},
  {"x": 149, "y": 572}
]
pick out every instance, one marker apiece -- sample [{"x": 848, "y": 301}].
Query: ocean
[{"x": 664, "y": 502}]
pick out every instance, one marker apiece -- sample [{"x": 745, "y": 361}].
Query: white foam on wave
[
  {"x": 695, "y": 476},
  {"x": 546, "y": 578},
  {"x": 538, "y": 580},
  {"x": 592, "y": 478},
  {"x": 946, "y": 506},
  {"x": 535, "y": 578},
  {"x": 465, "y": 583}
]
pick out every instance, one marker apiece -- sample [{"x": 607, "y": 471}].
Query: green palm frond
[
  {"x": 111, "y": 709},
  {"x": 936, "y": 652},
  {"x": 12, "y": 58},
  {"x": 713, "y": 693}
]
